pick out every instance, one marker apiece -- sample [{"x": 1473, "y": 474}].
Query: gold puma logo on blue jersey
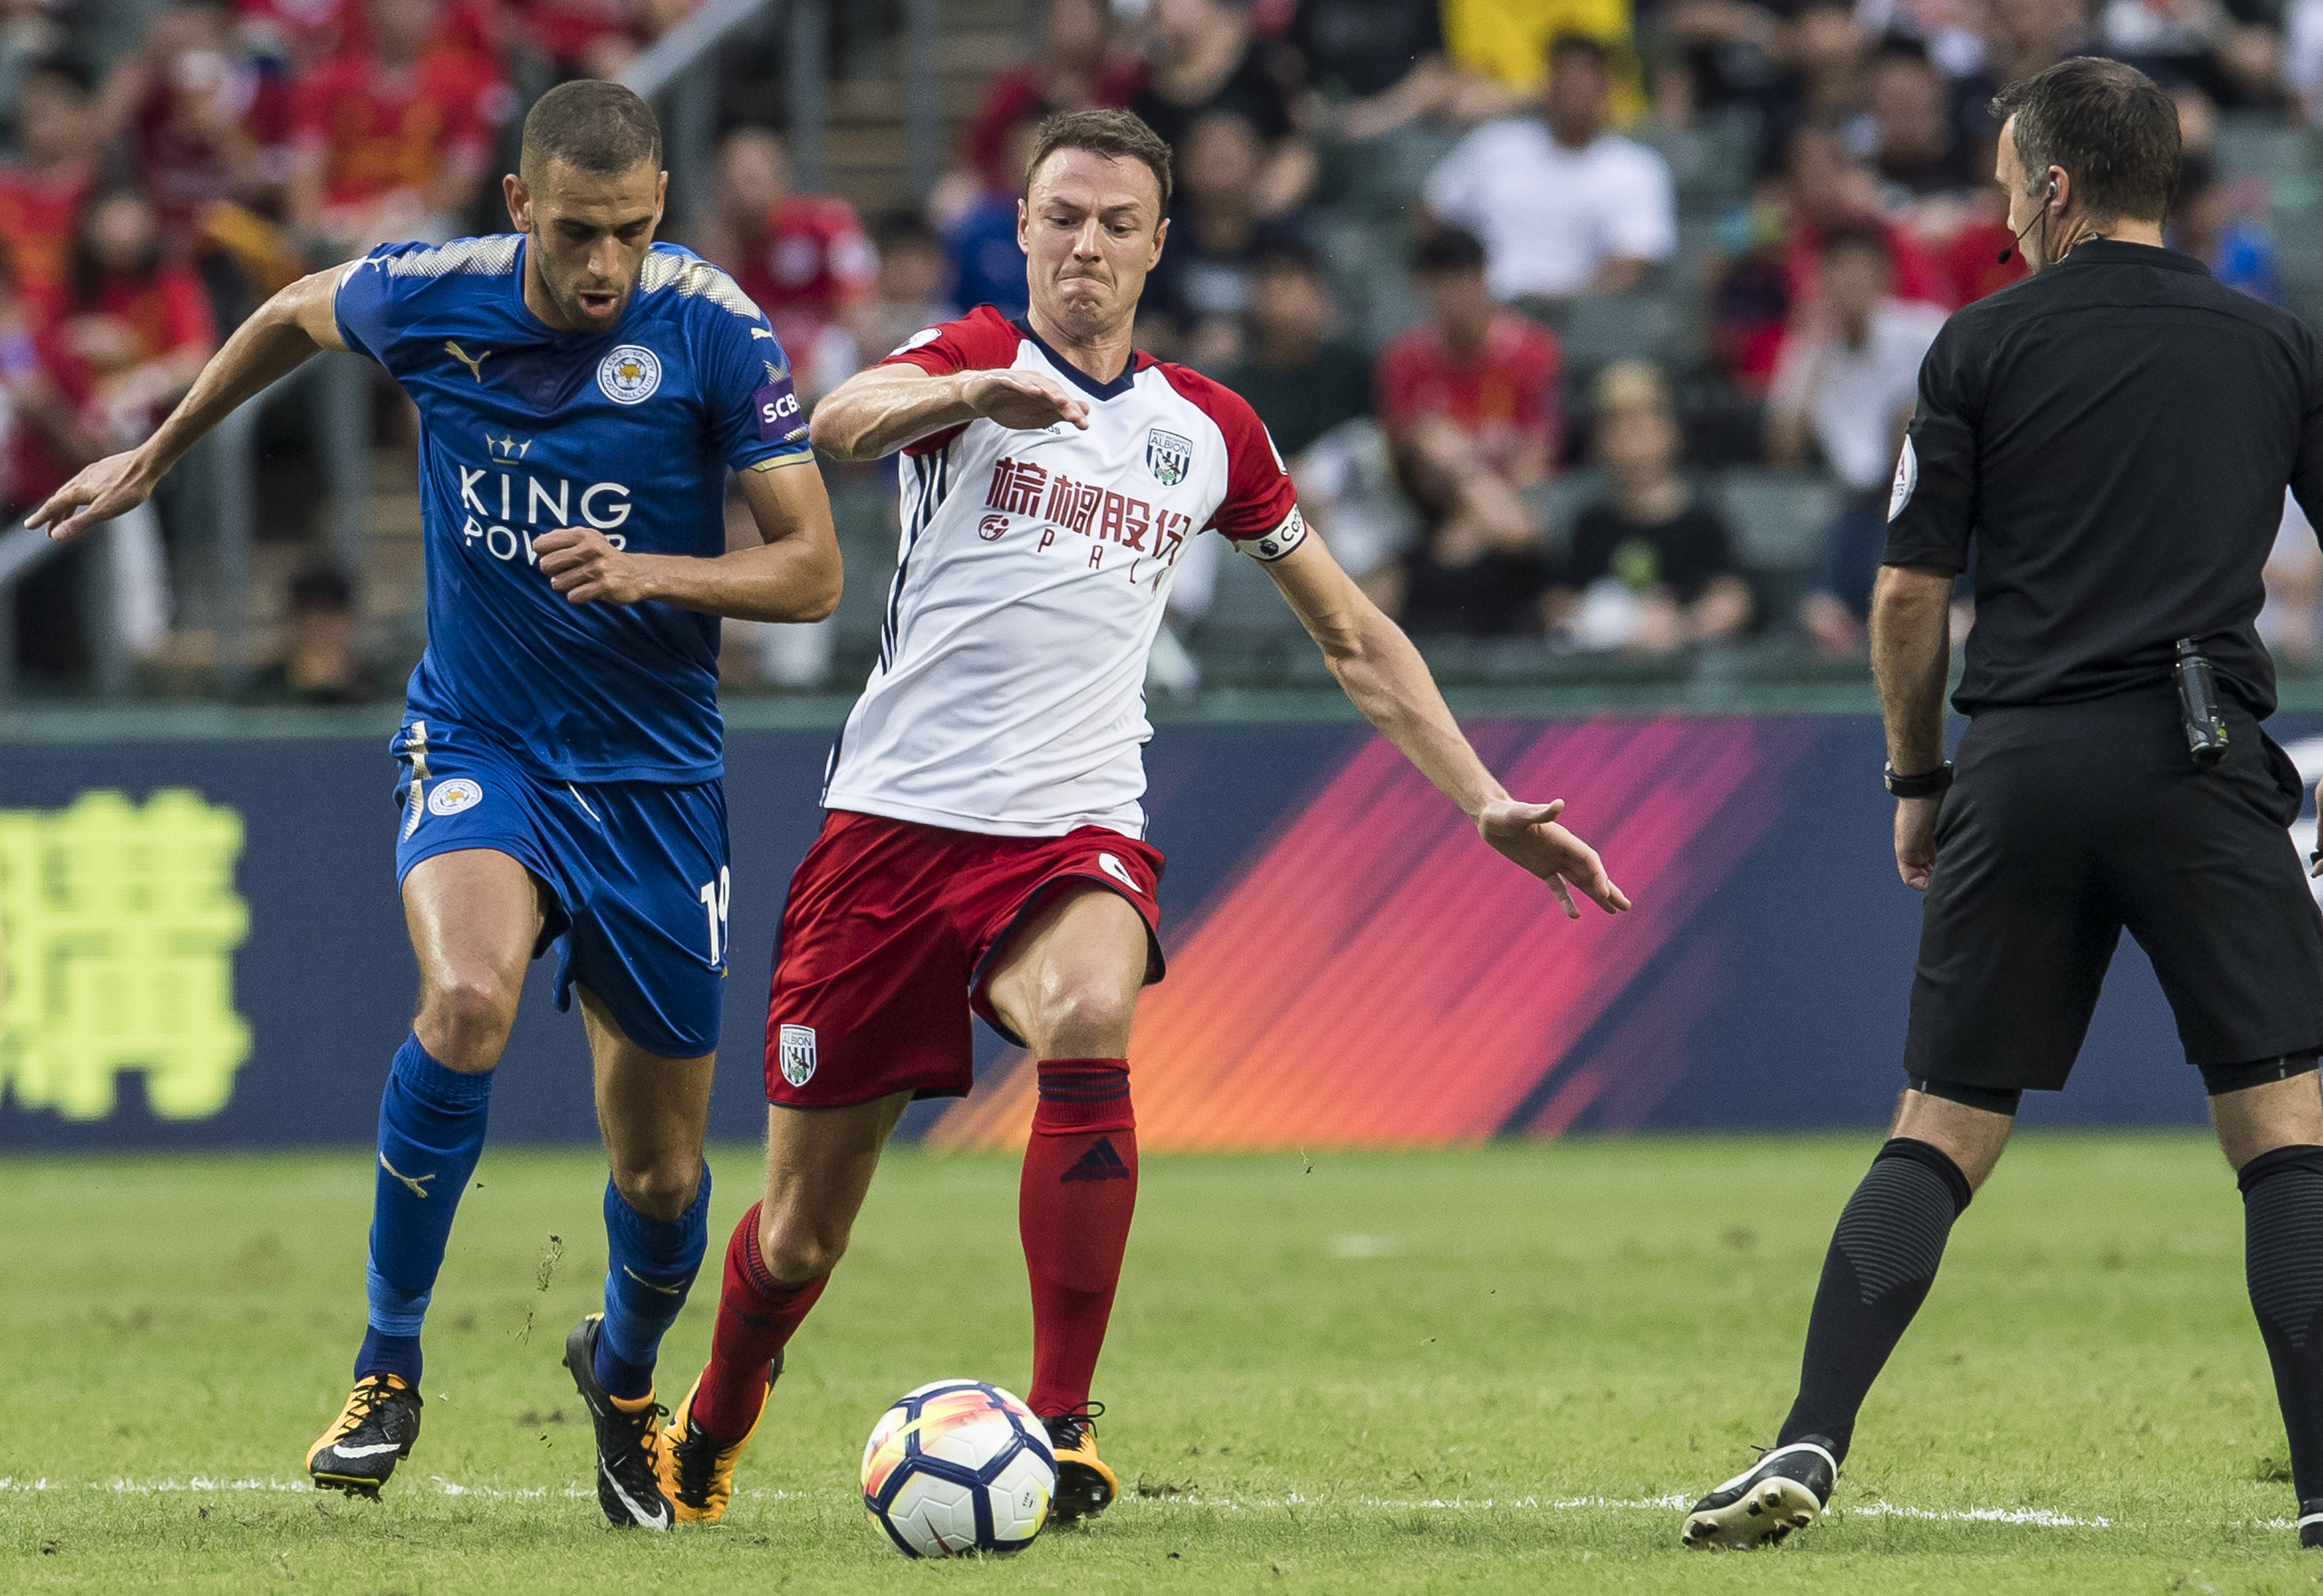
[{"x": 475, "y": 365}]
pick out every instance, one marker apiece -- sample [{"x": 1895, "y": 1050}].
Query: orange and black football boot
[
  {"x": 1085, "y": 1486},
  {"x": 372, "y": 1433},
  {"x": 697, "y": 1474}
]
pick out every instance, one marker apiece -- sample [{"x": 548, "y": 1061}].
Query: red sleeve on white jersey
[
  {"x": 983, "y": 340},
  {"x": 1261, "y": 507}
]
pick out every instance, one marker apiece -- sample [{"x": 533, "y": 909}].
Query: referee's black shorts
[{"x": 2066, "y": 823}]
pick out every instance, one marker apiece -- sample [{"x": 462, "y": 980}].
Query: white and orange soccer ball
[{"x": 958, "y": 1466}]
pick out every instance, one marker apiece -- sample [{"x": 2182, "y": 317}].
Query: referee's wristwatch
[{"x": 1918, "y": 786}]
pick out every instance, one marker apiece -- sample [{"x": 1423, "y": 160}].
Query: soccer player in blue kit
[{"x": 582, "y": 393}]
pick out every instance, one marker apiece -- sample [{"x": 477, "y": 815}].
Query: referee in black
[{"x": 2110, "y": 438}]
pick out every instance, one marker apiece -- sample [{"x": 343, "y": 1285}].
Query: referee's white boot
[
  {"x": 1786, "y": 1490},
  {"x": 2310, "y": 1523}
]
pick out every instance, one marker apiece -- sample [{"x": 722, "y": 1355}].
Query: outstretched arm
[
  {"x": 294, "y": 325},
  {"x": 878, "y": 411},
  {"x": 1385, "y": 677},
  {"x": 793, "y": 575}
]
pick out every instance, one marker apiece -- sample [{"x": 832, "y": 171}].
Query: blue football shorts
[{"x": 635, "y": 874}]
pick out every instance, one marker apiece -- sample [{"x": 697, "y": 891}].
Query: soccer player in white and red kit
[{"x": 985, "y": 845}]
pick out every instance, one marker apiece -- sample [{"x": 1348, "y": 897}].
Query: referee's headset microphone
[{"x": 2002, "y": 258}]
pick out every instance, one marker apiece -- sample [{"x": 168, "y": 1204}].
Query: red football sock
[
  {"x": 756, "y": 1317},
  {"x": 1074, "y": 1210}
]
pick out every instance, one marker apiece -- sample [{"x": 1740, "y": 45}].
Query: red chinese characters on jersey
[
  {"x": 1016, "y": 487},
  {"x": 1021, "y": 487},
  {"x": 1072, "y": 504}
]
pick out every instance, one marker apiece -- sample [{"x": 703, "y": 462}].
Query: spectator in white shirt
[
  {"x": 1846, "y": 382},
  {"x": 1564, "y": 207}
]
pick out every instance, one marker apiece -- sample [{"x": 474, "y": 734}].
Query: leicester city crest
[
  {"x": 629, "y": 374},
  {"x": 1168, "y": 457}
]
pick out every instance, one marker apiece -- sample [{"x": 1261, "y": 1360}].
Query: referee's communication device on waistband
[{"x": 2198, "y": 706}]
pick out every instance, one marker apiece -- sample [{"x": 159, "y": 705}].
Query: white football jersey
[{"x": 1009, "y": 696}]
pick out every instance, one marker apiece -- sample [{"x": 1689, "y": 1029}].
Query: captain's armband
[{"x": 1272, "y": 546}]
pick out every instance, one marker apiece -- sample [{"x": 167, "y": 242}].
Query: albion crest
[
  {"x": 798, "y": 1054},
  {"x": 1168, "y": 457},
  {"x": 629, "y": 375}
]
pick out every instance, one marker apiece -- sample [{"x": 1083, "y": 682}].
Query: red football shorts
[{"x": 889, "y": 931}]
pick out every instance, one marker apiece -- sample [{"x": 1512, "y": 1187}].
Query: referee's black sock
[
  {"x": 2283, "y": 1255},
  {"x": 1883, "y": 1258}
]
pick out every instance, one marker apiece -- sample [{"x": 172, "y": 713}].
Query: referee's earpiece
[{"x": 2046, "y": 201}]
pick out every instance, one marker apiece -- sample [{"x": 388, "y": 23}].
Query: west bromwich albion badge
[{"x": 1168, "y": 457}]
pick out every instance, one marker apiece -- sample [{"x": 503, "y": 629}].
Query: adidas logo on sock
[{"x": 1099, "y": 1163}]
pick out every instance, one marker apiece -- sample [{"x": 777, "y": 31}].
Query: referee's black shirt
[{"x": 2113, "y": 436}]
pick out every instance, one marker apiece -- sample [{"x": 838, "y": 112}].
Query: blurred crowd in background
[{"x": 1588, "y": 327}]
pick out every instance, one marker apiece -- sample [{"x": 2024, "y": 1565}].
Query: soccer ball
[{"x": 958, "y": 1466}]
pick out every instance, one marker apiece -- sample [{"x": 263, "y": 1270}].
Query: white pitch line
[
  {"x": 2039, "y": 1518},
  {"x": 2035, "y": 1517}
]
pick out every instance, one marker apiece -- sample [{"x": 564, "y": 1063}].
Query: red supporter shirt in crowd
[
  {"x": 167, "y": 311},
  {"x": 181, "y": 165},
  {"x": 37, "y": 213},
  {"x": 1756, "y": 341},
  {"x": 34, "y": 467},
  {"x": 1918, "y": 275},
  {"x": 1013, "y": 96},
  {"x": 1972, "y": 260},
  {"x": 387, "y": 130},
  {"x": 310, "y": 31},
  {"x": 566, "y": 28},
  {"x": 305, "y": 31},
  {"x": 810, "y": 265},
  {"x": 1504, "y": 396}
]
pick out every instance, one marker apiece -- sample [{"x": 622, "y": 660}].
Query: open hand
[
  {"x": 1528, "y": 834},
  {"x": 1915, "y": 840},
  {"x": 1024, "y": 401},
  {"x": 582, "y": 564},
  {"x": 114, "y": 486}
]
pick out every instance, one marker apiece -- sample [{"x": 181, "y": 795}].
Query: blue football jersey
[{"x": 524, "y": 430}]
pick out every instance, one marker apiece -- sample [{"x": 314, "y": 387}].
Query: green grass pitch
[{"x": 1479, "y": 1371}]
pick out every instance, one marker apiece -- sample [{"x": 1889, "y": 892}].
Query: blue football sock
[
  {"x": 653, "y": 1267},
  {"x": 431, "y": 1127},
  {"x": 389, "y": 1355}
]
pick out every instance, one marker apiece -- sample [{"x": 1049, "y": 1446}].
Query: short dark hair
[
  {"x": 1901, "y": 49},
  {"x": 1289, "y": 255},
  {"x": 2109, "y": 125},
  {"x": 592, "y": 126},
  {"x": 2197, "y": 174},
  {"x": 70, "y": 70},
  {"x": 901, "y": 230},
  {"x": 321, "y": 589},
  {"x": 1448, "y": 248},
  {"x": 1115, "y": 135},
  {"x": 1592, "y": 49}
]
